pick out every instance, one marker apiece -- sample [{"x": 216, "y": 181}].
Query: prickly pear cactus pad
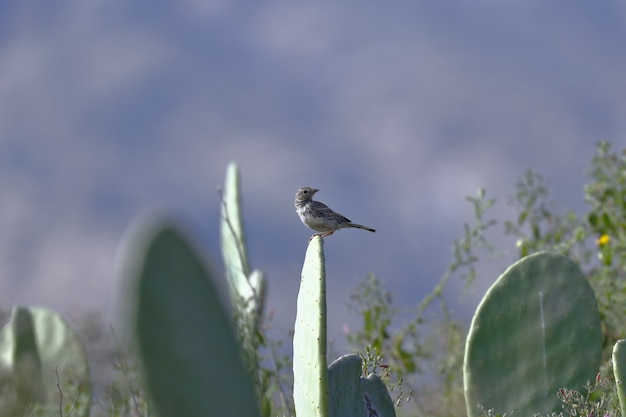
[
  {"x": 245, "y": 285},
  {"x": 352, "y": 394},
  {"x": 537, "y": 329},
  {"x": 38, "y": 350},
  {"x": 619, "y": 370},
  {"x": 181, "y": 326},
  {"x": 310, "y": 372}
]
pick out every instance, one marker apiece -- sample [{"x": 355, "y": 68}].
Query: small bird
[{"x": 319, "y": 217}]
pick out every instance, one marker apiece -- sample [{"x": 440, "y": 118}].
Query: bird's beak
[{"x": 314, "y": 190}]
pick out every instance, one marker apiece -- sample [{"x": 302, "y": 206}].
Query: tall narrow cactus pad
[
  {"x": 186, "y": 344},
  {"x": 351, "y": 394},
  {"x": 245, "y": 286},
  {"x": 619, "y": 370},
  {"x": 39, "y": 350},
  {"x": 310, "y": 373},
  {"x": 537, "y": 329}
]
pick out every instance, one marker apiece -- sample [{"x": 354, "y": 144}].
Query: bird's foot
[{"x": 322, "y": 235}]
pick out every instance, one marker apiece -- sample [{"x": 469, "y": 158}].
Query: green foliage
[
  {"x": 598, "y": 399},
  {"x": 186, "y": 344},
  {"x": 537, "y": 227},
  {"x": 125, "y": 394},
  {"x": 374, "y": 304},
  {"x": 373, "y": 364},
  {"x": 595, "y": 240},
  {"x": 606, "y": 220},
  {"x": 189, "y": 347},
  {"x": 43, "y": 366},
  {"x": 310, "y": 373},
  {"x": 536, "y": 329},
  {"x": 426, "y": 341}
]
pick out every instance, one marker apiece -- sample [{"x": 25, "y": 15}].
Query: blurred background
[{"x": 395, "y": 112}]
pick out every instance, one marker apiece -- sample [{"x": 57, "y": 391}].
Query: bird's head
[{"x": 305, "y": 194}]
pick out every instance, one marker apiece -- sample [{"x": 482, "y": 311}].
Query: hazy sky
[{"x": 396, "y": 112}]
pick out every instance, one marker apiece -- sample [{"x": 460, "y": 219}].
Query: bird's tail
[{"x": 360, "y": 226}]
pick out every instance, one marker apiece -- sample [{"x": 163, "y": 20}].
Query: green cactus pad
[
  {"x": 231, "y": 230},
  {"x": 351, "y": 394},
  {"x": 245, "y": 286},
  {"x": 619, "y": 370},
  {"x": 36, "y": 346},
  {"x": 310, "y": 373},
  {"x": 187, "y": 346},
  {"x": 537, "y": 329}
]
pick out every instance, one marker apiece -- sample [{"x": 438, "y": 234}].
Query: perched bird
[{"x": 319, "y": 217}]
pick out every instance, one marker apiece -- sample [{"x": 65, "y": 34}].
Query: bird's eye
[{"x": 305, "y": 191}]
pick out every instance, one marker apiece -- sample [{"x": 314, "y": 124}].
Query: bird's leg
[{"x": 322, "y": 235}]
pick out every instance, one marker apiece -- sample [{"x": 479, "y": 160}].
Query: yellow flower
[{"x": 603, "y": 240}]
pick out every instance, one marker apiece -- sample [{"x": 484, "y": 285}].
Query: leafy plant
[
  {"x": 595, "y": 241},
  {"x": 427, "y": 340}
]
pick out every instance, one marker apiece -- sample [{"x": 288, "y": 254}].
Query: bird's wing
[{"x": 322, "y": 210}]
